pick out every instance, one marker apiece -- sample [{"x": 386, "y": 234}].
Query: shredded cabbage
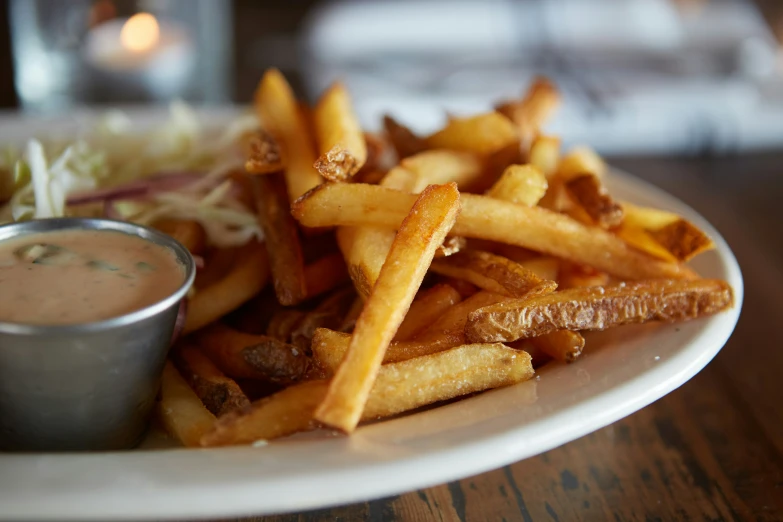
[{"x": 39, "y": 178}]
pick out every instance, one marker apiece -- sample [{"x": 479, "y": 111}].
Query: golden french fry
[
  {"x": 427, "y": 307},
  {"x": 341, "y": 144},
  {"x": 450, "y": 325},
  {"x": 279, "y": 113},
  {"x": 494, "y": 273},
  {"x": 282, "y": 239},
  {"x": 575, "y": 276},
  {"x": 562, "y": 345},
  {"x": 598, "y": 308},
  {"x": 544, "y": 267},
  {"x": 364, "y": 250},
  {"x": 329, "y": 349},
  {"x": 545, "y": 154},
  {"x": 325, "y": 274},
  {"x": 435, "y": 167},
  {"x": 403, "y": 140},
  {"x": 220, "y": 394},
  {"x": 487, "y": 218},
  {"x": 283, "y": 322},
  {"x": 532, "y": 111},
  {"x": 263, "y": 154},
  {"x": 190, "y": 233},
  {"x": 581, "y": 160},
  {"x": 425, "y": 228},
  {"x": 521, "y": 184},
  {"x": 328, "y": 314},
  {"x": 642, "y": 240},
  {"x": 588, "y": 192},
  {"x": 676, "y": 236},
  {"x": 246, "y": 278},
  {"x": 181, "y": 411},
  {"x": 483, "y": 134},
  {"x": 399, "y": 387},
  {"x": 247, "y": 356}
]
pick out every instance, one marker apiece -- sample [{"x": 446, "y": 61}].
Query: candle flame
[{"x": 140, "y": 33}]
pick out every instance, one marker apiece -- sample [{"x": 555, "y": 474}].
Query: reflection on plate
[{"x": 623, "y": 370}]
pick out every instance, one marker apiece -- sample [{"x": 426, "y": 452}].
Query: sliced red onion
[
  {"x": 179, "y": 324},
  {"x": 95, "y": 196},
  {"x": 136, "y": 189},
  {"x": 110, "y": 210}
]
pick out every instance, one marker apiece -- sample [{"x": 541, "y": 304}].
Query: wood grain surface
[{"x": 711, "y": 450}]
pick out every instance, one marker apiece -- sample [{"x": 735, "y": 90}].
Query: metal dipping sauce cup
[{"x": 87, "y": 386}]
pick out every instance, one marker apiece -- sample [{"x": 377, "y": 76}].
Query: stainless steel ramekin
[{"x": 85, "y": 386}]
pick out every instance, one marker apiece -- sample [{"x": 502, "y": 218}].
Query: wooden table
[{"x": 712, "y": 450}]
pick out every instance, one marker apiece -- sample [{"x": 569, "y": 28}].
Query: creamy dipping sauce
[{"x": 81, "y": 276}]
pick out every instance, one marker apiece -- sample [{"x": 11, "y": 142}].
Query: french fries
[
  {"x": 427, "y": 307},
  {"x": 329, "y": 349},
  {"x": 521, "y": 184},
  {"x": 264, "y": 155},
  {"x": 279, "y": 113},
  {"x": 219, "y": 393},
  {"x": 483, "y": 134},
  {"x": 481, "y": 233},
  {"x": 399, "y": 387},
  {"x": 343, "y": 150},
  {"x": 496, "y": 274},
  {"x": 487, "y": 218},
  {"x": 599, "y": 308},
  {"x": 450, "y": 326},
  {"x": 282, "y": 239},
  {"x": 181, "y": 411},
  {"x": 588, "y": 192},
  {"x": 404, "y": 141},
  {"x": 562, "y": 345},
  {"x": 246, "y": 278},
  {"x": 246, "y": 356},
  {"x": 324, "y": 275},
  {"x": 430, "y": 219}
]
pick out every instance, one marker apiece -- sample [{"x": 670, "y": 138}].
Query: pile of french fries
[{"x": 407, "y": 270}]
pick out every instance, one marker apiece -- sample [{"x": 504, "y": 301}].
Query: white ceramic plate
[{"x": 622, "y": 371}]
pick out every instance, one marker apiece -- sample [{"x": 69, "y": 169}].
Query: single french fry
[
  {"x": 494, "y": 273},
  {"x": 579, "y": 276},
  {"x": 329, "y": 348},
  {"x": 450, "y": 325},
  {"x": 246, "y": 278},
  {"x": 220, "y": 394},
  {"x": 283, "y": 322},
  {"x": 341, "y": 144},
  {"x": 521, "y": 184},
  {"x": 581, "y": 160},
  {"x": 325, "y": 274},
  {"x": 641, "y": 239},
  {"x": 364, "y": 250},
  {"x": 328, "y": 314},
  {"x": 589, "y": 193},
  {"x": 399, "y": 387},
  {"x": 189, "y": 233},
  {"x": 246, "y": 356},
  {"x": 181, "y": 412},
  {"x": 599, "y": 308},
  {"x": 677, "y": 237},
  {"x": 263, "y": 154},
  {"x": 545, "y": 154},
  {"x": 487, "y": 218},
  {"x": 544, "y": 267},
  {"x": 427, "y": 307},
  {"x": 425, "y": 228},
  {"x": 531, "y": 112},
  {"x": 280, "y": 115},
  {"x": 435, "y": 167},
  {"x": 282, "y": 239},
  {"x": 403, "y": 140},
  {"x": 483, "y": 134},
  {"x": 561, "y": 345}
]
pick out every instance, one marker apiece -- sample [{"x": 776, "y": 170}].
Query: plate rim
[{"x": 229, "y": 499}]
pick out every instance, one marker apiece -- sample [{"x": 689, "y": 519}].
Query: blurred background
[{"x": 638, "y": 76}]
